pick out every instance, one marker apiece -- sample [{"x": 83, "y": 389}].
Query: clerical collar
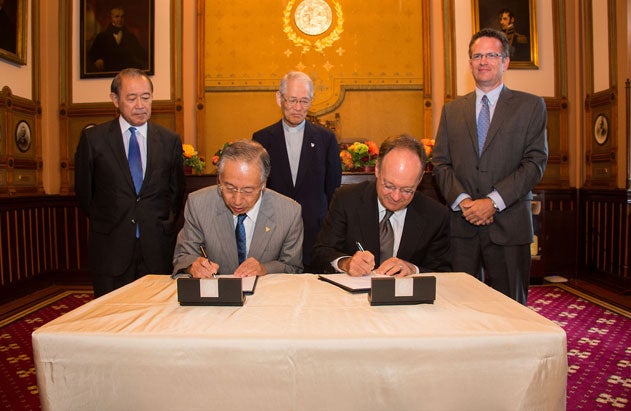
[{"x": 291, "y": 129}]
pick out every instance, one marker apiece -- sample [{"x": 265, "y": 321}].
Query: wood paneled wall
[
  {"x": 39, "y": 235},
  {"x": 605, "y": 230}
]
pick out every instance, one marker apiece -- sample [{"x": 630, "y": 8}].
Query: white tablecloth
[{"x": 300, "y": 343}]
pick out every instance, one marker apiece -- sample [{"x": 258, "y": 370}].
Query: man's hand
[
  {"x": 478, "y": 212},
  {"x": 395, "y": 266},
  {"x": 250, "y": 267},
  {"x": 361, "y": 263},
  {"x": 203, "y": 268}
]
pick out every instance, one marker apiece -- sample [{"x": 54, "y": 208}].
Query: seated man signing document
[
  {"x": 385, "y": 226},
  {"x": 239, "y": 227}
]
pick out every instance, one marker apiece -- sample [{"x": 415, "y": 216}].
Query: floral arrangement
[
  {"x": 359, "y": 155},
  {"x": 428, "y": 143},
  {"x": 218, "y": 153},
  {"x": 192, "y": 159}
]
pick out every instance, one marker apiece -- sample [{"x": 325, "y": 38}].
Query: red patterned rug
[
  {"x": 598, "y": 338},
  {"x": 598, "y": 347}
]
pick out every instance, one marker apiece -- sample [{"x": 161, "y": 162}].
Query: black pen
[{"x": 203, "y": 251}]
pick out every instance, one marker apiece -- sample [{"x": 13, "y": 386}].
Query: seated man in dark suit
[
  {"x": 386, "y": 226},
  {"x": 243, "y": 228}
]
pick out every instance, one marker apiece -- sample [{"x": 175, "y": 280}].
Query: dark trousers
[
  {"x": 506, "y": 268},
  {"x": 103, "y": 284}
]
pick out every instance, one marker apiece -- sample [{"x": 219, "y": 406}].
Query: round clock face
[
  {"x": 601, "y": 129},
  {"x": 313, "y": 17}
]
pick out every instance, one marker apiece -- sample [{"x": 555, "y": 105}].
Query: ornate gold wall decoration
[{"x": 313, "y": 18}]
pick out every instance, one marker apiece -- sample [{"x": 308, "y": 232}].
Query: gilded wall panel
[{"x": 341, "y": 45}]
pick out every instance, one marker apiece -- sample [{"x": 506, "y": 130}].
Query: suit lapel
[
  {"x": 262, "y": 229},
  {"x": 154, "y": 146},
  {"x": 307, "y": 152},
  {"x": 412, "y": 228},
  {"x": 280, "y": 148},
  {"x": 470, "y": 120},
  {"x": 368, "y": 219},
  {"x": 224, "y": 226},
  {"x": 115, "y": 140},
  {"x": 501, "y": 113}
]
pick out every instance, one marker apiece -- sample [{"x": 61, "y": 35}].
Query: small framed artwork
[
  {"x": 601, "y": 129},
  {"x": 13, "y": 24},
  {"x": 115, "y": 36},
  {"x": 23, "y": 136},
  {"x": 518, "y": 20}
]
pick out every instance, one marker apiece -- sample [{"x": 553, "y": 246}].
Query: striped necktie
[
  {"x": 239, "y": 233},
  {"x": 484, "y": 121}
]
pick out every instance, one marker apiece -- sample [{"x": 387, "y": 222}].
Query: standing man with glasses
[
  {"x": 305, "y": 157},
  {"x": 238, "y": 226},
  {"x": 491, "y": 151},
  {"x": 129, "y": 181},
  {"x": 386, "y": 226}
]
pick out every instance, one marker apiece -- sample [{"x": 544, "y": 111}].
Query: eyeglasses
[
  {"x": 292, "y": 101},
  {"x": 232, "y": 190},
  {"x": 405, "y": 191},
  {"x": 489, "y": 56}
]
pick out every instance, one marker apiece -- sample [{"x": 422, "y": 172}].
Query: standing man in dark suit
[
  {"x": 386, "y": 225},
  {"x": 491, "y": 151},
  {"x": 305, "y": 157},
  {"x": 129, "y": 180}
]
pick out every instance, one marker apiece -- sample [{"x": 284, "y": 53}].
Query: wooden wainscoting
[
  {"x": 605, "y": 229},
  {"x": 40, "y": 235}
]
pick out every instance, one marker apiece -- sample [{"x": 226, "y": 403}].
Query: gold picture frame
[
  {"x": 518, "y": 19},
  {"x": 13, "y": 37}
]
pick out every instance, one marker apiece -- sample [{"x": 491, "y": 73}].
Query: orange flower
[
  {"x": 189, "y": 150},
  {"x": 373, "y": 149},
  {"x": 428, "y": 143},
  {"x": 347, "y": 159}
]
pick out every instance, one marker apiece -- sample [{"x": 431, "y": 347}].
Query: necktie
[
  {"x": 484, "y": 121},
  {"x": 239, "y": 233},
  {"x": 133, "y": 157},
  {"x": 386, "y": 237}
]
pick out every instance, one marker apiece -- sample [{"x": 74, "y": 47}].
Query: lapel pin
[
  {"x": 312, "y": 145},
  {"x": 267, "y": 229}
]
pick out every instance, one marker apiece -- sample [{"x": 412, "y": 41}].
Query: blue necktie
[
  {"x": 239, "y": 233},
  {"x": 484, "y": 121},
  {"x": 135, "y": 163}
]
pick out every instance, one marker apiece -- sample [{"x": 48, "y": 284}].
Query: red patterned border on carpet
[{"x": 18, "y": 383}]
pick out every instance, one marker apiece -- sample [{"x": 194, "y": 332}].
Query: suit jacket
[
  {"x": 513, "y": 161},
  {"x": 354, "y": 216},
  {"x": 276, "y": 241},
  {"x": 106, "y": 193},
  {"x": 319, "y": 174}
]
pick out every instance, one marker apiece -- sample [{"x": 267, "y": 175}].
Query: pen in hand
[
  {"x": 361, "y": 248},
  {"x": 203, "y": 251}
]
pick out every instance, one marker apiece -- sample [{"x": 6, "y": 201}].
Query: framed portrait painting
[
  {"x": 13, "y": 24},
  {"x": 115, "y": 35},
  {"x": 517, "y": 19}
]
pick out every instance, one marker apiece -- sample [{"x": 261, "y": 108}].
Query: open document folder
[{"x": 350, "y": 283}]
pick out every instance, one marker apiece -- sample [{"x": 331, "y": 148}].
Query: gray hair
[
  {"x": 247, "y": 151},
  {"x": 298, "y": 76}
]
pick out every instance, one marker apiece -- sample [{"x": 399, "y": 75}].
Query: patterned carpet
[{"x": 598, "y": 336}]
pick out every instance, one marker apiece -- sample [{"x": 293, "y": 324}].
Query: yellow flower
[{"x": 189, "y": 150}]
